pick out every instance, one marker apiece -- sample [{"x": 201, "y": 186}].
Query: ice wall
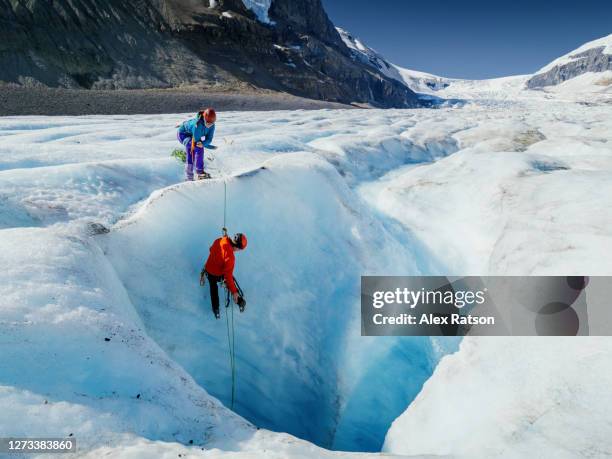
[
  {"x": 301, "y": 365},
  {"x": 511, "y": 398}
]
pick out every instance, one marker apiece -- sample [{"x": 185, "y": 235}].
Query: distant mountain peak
[
  {"x": 594, "y": 56},
  {"x": 417, "y": 81}
]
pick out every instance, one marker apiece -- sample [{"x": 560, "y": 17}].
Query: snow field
[
  {"x": 512, "y": 398},
  {"x": 136, "y": 284},
  {"x": 494, "y": 187}
]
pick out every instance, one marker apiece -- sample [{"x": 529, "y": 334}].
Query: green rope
[
  {"x": 231, "y": 344},
  {"x": 233, "y": 358},
  {"x": 231, "y": 339}
]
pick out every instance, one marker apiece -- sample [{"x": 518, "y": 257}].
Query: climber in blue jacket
[{"x": 195, "y": 135}]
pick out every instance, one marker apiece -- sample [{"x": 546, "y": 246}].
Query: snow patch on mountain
[
  {"x": 367, "y": 55},
  {"x": 592, "y": 57},
  {"x": 260, "y": 8},
  {"x": 419, "y": 82},
  {"x": 422, "y": 82}
]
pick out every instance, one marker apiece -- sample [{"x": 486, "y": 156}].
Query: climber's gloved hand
[
  {"x": 235, "y": 297},
  {"x": 241, "y": 304}
]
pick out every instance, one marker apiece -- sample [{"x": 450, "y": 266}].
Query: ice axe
[{"x": 203, "y": 276}]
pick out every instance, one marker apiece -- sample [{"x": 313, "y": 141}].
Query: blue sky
[{"x": 472, "y": 39}]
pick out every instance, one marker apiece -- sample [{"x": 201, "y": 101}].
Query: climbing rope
[
  {"x": 231, "y": 342},
  {"x": 231, "y": 336},
  {"x": 229, "y": 315}
]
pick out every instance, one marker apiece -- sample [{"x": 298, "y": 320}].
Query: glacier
[
  {"x": 578, "y": 75},
  {"x": 106, "y": 334}
]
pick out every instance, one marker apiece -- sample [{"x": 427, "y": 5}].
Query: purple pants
[{"x": 198, "y": 155}]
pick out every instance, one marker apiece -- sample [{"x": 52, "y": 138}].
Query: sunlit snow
[{"x": 108, "y": 336}]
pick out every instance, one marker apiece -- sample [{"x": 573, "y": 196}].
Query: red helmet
[
  {"x": 209, "y": 115},
  {"x": 240, "y": 241}
]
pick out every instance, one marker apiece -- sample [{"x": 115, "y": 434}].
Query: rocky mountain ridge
[{"x": 209, "y": 44}]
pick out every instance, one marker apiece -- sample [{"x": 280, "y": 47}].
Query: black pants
[{"x": 214, "y": 291}]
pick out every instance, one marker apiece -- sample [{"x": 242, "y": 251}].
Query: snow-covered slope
[
  {"x": 427, "y": 84},
  {"x": 583, "y": 74},
  {"x": 76, "y": 358},
  {"x": 592, "y": 57},
  {"x": 367, "y": 55},
  {"x": 422, "y": 82},
  {"x": 504, "y": 187},
  {"x": 519, "y": 174},
  {"x": 514, "y": 398},
  {"x": 510, "y": 88},
  {"x": 589, "y": 86},
  {"x": 603, "y": 42},
  {"x": 419, "y": 82}
]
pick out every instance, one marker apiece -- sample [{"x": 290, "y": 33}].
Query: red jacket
[{"x": 221, "y": 261}]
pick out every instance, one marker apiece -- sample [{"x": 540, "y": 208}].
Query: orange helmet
[
  {"x": 240, "y": 241},
  {"x": 209, "y": 115}
]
